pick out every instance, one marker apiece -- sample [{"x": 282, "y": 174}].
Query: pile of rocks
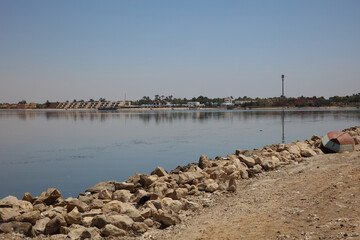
[{"x": 116, "y": 209}]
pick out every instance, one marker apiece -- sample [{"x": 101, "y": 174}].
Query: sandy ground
[
  {"x": 318, "y": 198},
  {"x": 315, "y": 199}
]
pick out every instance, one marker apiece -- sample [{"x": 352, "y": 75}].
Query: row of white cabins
[{"x": 228, "y": 102}]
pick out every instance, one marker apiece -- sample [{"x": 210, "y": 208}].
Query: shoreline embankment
[{"x": 145, "y": 202}]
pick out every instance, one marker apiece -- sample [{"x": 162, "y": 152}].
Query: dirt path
[{"x": 315, "y": 199}]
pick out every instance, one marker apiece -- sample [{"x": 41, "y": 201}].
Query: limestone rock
[
  {"x": 146, "y": 212},
  {"x": 17, "y": 227},
  {"x": 113, "y": 206},
  {"x": 151, "y": 205},
  {"x": 19, "y": 205},
  {"x": 280, "y": 148},
  {"x": 108, "y": 185},
  {"x": 132, "y": 212},
  {"x": 53, "y": 226},
  {"x": 230, "y": 169},
  {"x": 168, "y": 204},
  {"x": 39, "y": 227},
  {"x": 121, "y": 221},
  {"x": 96, "y": 204},
  {"x": 99, "y": 221},
  {"x": 75, "y": 232},
  {"x": 305, "y": 150},
  {"x": 217, "y": 173},
  {"x": 188, "y": 205},
  {"x": 125, "y": 186},
  {"x": 188, "y": 177},
  {"x": 211, "y": 185},
  {"x": 149, "y": 222},
  {"x": 177, "y": 194},
  {"x": 249, "y": 161},
  {"x": 232, "y": 185},
  {"x": 159, "y": 171},
  {"x": 40, "y": 207},
  {"x": 159, "y": 188},
  {"x": 8, "y": 214},
  {"x": 92, "y": 213},
  {"x": 105, "y": 194},
  {"x": 146, "y": 180},
  {"x": 238, "y": 151},
  {"x": 28, "y": 197},
  {"x": 141, "y": 197},
  {"x": 122, "y": 195},
  {"x": 293, "y": 149},
  {"x": 73, "y": 217},
  {"x": 204, "y": 162},
  {"x": 254, "y": 170},
  {"x": 270, "y": 164},
  {"x": 71, "y": 203},
  {"x": 308, "y": 152},
  {"x": 86, "y": 198},
  {"x": 8, "y": 202},
  {"x": 167, "y": 219},
  {"x": 140, "y": 227},
  {"x": 50, "y": 196},
  {"x": 113, "y": 231},
  {"x": 79, "y": 232},
  {"x": 242, "y": 168},
  {"x": 30, "y": 217},
  {"x": 86, "y": 221}
]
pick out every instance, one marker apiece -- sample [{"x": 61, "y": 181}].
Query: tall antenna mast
[{"x": 282, "y": 77}]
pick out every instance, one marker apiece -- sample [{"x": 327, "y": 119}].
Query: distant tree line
[
  {"x": 246, "y": 101},
  {"x": 241, "y": 102}
]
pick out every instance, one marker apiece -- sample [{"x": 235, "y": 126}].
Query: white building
[
  {"x": 227, "y": 102},
  {"x": 193, "y": 104}
]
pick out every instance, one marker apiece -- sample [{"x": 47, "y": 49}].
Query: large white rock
[
  {"x": 40, "y": 225},
  {"x": 8, "y": 214},
  {"x": 112, "y": 231},
  {"x": 249, "y": 161},
  {"x": 169, "y": 204},
  {"x": 121, "y": 221},
  {"x": 159, "y": 171},
  {"x": 73, "y": 217},
  {"x": 122, "y": 195},
  {"x": 211, "y": 185},
  {"x": 305, "y": 150},
  {"x": 270, "y": 163},
  {"x": 292, "y": 148}
]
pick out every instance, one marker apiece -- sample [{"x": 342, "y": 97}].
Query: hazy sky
[{"x": 61, "y": 50}]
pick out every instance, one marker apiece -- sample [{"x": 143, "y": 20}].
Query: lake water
[{"x": 72, "y": 151}]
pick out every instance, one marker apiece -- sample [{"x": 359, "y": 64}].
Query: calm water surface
[{"x": 73, "y": 151}]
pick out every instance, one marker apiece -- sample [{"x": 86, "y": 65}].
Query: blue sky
[{"x": 65, "y": 50}]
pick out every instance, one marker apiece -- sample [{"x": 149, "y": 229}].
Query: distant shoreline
[{"x": 176, "y": 109}]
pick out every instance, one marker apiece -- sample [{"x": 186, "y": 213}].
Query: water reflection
[
  {"x": 41, "y": 149},
  {"x": 161, "y": 117}
]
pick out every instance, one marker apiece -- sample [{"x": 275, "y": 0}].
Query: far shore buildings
[
  {"x": 92, "y": 105},
  {"x": 69, "y": 105},
  {"x": 194, "y": 104},
  {"x": 19, "y": 106},
  {"x": 227, "y": 102}
]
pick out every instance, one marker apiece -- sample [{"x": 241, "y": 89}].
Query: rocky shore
[{"x": 143, "y": 203}]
